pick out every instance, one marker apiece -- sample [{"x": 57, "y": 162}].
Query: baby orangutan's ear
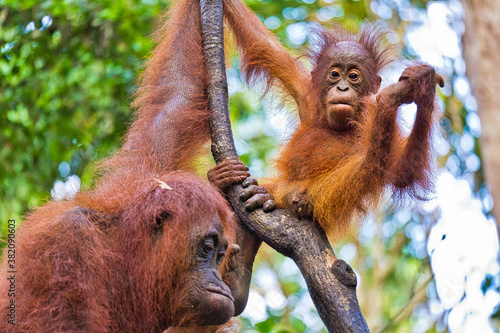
[{"x": 378, "y": 82}]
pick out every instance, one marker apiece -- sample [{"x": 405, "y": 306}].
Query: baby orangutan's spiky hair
[{"x": 369, "y": 37}]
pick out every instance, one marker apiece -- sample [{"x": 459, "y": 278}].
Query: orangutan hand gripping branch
[
  {"x": 348, "y": 148},
  {"x": 144, "y": 250}
]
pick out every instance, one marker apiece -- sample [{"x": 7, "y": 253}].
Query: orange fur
[
  {"x": 330, "y": 167},
  {"x": 171, "y": 103},
  {"x": 85, "y": 270},
  {"x": 97, "y": 263},
  {"x": 340, "y": 174}
]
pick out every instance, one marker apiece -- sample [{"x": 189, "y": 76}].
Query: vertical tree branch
[
  {"x": 331, "y": 282},
  {"x": 213, "y": 46}
]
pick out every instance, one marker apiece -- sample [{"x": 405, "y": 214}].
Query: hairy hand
[
  {"x": 227, "y": 173},
  {"x": 256, "y": 196},
  {"x": 422, "y": 79}
]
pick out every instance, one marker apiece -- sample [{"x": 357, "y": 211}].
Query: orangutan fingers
[
  {"x": 233, "y": 174},
  {"x": 256, "y": 201},
  {"x": 226, "y": 162},
  {"x": 269, "y": 206},
  {"x": 227, "y": 165},
  {"x": 439, "y": 80},
  {"x": 250, "y": 181},
  {"x": 224, "y": 183},
  {"x": 407, "y": 73},
  {"x": 403, "y": 77},
  {"x": 233, "y": 249},
  {"x": 236, "y": 166},
  {"x": 247, "y": 193}
]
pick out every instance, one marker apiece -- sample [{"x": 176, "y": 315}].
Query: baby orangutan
[{"x": 348, "y": 147}]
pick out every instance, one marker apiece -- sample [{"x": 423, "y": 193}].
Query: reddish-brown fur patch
[
  {"x": 98, "y": 263},
  {"x": 341, "y": 173}
]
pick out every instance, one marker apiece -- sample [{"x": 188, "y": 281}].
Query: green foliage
[{"x": 67, "y": 71}]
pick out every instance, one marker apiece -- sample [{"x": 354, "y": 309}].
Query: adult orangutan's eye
[{"x": 208, "y": 245}]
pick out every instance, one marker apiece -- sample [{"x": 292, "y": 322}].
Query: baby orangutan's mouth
[
  {"x": 340, "y": 101},
  {"x": 339, "y": 107}
]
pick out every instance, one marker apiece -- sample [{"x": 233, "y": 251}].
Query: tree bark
[
  {"x": 331, "y": 282},
  {"x": 481, "y": 45}
]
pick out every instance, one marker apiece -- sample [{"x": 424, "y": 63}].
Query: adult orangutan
[
  {"x": 348, "y": 147},
  {"x": 150, "y": 265},
  {"x": 142, "y": 251}
]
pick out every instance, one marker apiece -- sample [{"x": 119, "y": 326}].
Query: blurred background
[{"x": 67, "y": 71}]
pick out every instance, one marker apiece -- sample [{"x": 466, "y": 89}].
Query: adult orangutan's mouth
[{"x": 220, "y": 291}]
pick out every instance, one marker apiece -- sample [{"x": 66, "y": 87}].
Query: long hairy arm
[
  {"x": 263, "y": 55},
  {"x": 411, "y": 171},
  {"x": 171, "y": 119},
  {"x": 409, "y": 164}
]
